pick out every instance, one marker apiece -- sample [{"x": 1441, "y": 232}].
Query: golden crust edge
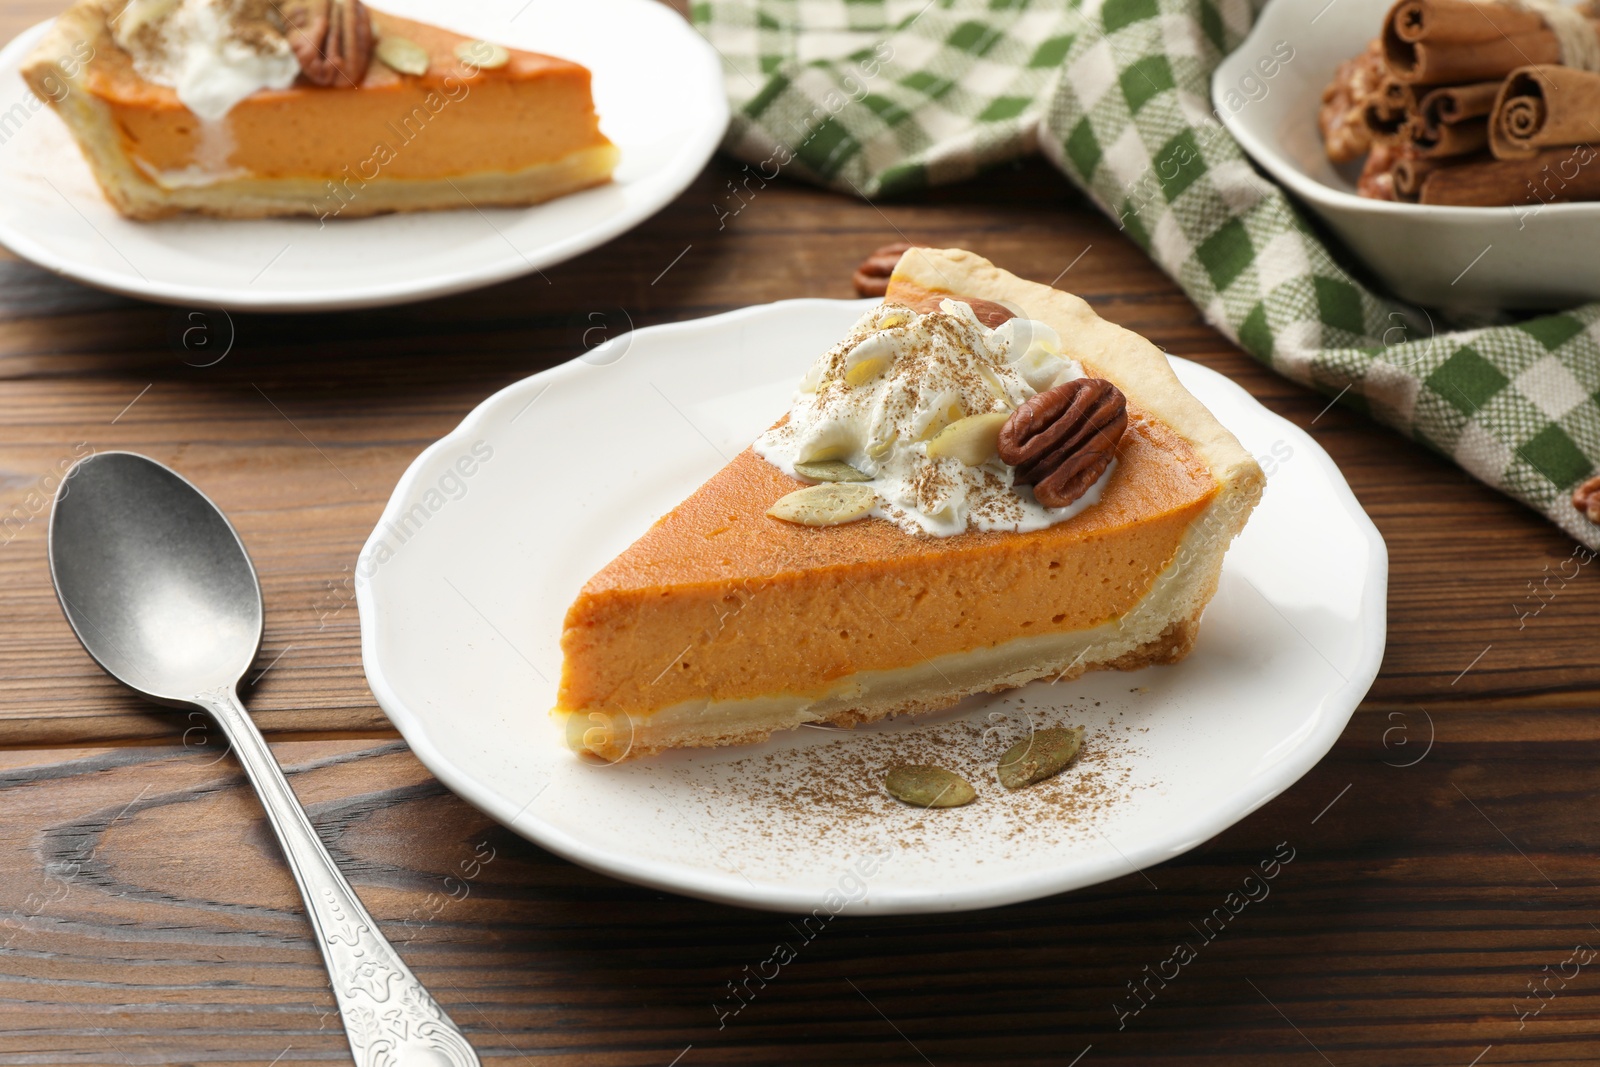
[
  {"x": 87, "y": 118},
  {"x": 254, "y": 198},
  {"x": 85, "y": 20}
]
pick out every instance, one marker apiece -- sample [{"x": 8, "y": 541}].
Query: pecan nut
[
  {"x": 332, "y": 39},
  {"x": 872, "y": 277},
  {"x": 988, "y": 312},
  {"x": 1586, "y": 498},
  {"x": 1342, "y": 117},
  {"x": 1063, "y": 439}
]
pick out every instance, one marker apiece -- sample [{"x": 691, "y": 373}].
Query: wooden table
[{"x": 1439, "y": 894}]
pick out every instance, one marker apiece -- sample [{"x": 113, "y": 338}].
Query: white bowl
[{"x": 1528, "y": 256}]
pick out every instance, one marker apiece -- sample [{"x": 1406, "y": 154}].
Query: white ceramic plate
[
  {"x": 658, "y": 89},
  {"x": 1529, "y": 256},
  {"x": 490, "y": 533}
]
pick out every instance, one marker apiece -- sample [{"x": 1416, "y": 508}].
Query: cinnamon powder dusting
[{"x": 829, "y": 797}]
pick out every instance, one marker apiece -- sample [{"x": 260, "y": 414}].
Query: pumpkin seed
[
  {"x": 830, "y": 471},
  {"x": 973, "y": 440},
  {"x": 836, "y": 444},
  {"x": 485, "y": 55},
  {"x": 138, "y": 14},
  {"x": 824, "y": 505},
  {"x": 402, "y": 54},
  {"x": 992, "y": 379},
  {"x": 928, "y": 787},
  {"x": 868, "y": 359},
  {"x": 863, "y": 371},
  {"x": 1038, "y": 757}
]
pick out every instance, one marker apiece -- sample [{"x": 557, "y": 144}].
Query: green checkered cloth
[{"x": 882, "y": 97}]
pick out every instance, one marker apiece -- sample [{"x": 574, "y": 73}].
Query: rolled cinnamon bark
[
  {"x": 1451, "y": 121},
  {"x": 1456, "y": 21},
  {"x": 1434, "y": 42},
  {"x": 1457, "y": 103},
  {"x": 1450, "y": 139},
  {"x": 1410, "y": 171},
  {"x": 1539, "y": 107},
  {"x": 1389, "y": 110},
  {"x": 1388, "y": 114},
  {"x": 1552, "y": 176}
]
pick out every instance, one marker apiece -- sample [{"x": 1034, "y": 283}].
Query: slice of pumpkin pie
[
  {"x": 250, "y": 108},
  {"x": 984, "y": 484}
]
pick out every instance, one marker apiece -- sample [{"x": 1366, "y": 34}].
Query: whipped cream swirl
[
  {"x": 878, "y": 398},
  {"x": 213, "y": 52}
]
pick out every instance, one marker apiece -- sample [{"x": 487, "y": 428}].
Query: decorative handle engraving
[{"x": 389, "y": 1017}]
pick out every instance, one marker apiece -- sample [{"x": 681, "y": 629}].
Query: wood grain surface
[{"x": 1431, "y": 905}]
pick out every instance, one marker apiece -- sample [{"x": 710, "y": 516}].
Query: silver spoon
[{"x": 159, "y": 589}]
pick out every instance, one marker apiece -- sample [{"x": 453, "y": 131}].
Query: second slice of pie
[{"x": 250, "y": 108}]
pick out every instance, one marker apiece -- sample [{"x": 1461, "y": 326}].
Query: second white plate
[
  {"x": 658, "y": 89},
  {"x": 490, "y": 533}
]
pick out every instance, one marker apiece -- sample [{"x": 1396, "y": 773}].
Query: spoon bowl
[
  {"x": 159, "y": 588},
  {"x": 153, "y": 578}
]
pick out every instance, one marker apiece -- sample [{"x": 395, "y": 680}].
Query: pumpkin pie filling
[
  {"x": 439, "y": 124},
  {"x": 678, "y": 614}
]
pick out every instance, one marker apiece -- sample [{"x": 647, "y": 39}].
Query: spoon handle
[{"x": 388, "y": 1015}]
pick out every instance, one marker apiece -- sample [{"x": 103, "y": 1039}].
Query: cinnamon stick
[
  {"x": 1539, "y": 107},
  {"x": 1452, "y": 121},
  {"x": 1553, "y": 175},
  {"x": 1434, "y": 42},
  {"x": 1389, "y": 109},
  {"x": 1457, "y": 103},
  {"x": 1410, "y": 171},
  {"x": 1457, "y": 21},
  {"x": 1449, "y": 139}
]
